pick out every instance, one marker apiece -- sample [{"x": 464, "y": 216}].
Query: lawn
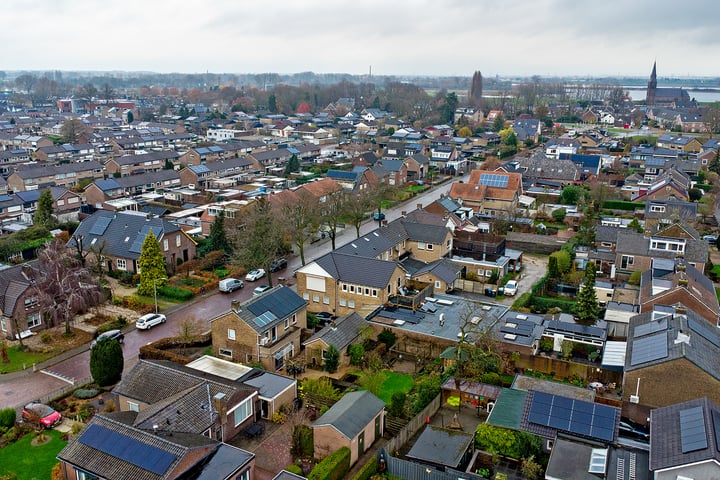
[
  {"x": 26, "y": 359},
  {"x": 394, "y": 382},
  {"x": 30, "y": 462}
]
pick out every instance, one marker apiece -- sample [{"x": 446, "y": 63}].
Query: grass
[
  {"x": 30, "y": 462},
  {"x": 717, "y": 293},
  {"x": 394, "y": 382},
  {"x": 19, "y": 359}
]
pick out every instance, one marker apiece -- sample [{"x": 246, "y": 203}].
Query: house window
[
  {"x": 133, "y": 407},
  {"x": 626, "y": 261},
  {"x": 81, "y": 475},
  {"x": 244, "y": 475},
  {"x": 352, "y": 288},
  {"x": 430, "y": 246},
  {"x": 33, "y": 320},
  {"x": 31, "y": 302},
  {"x": 351, "y": 303},
  {"x": 367, "y": 291},
  {"x": 178, "y": 240},
  {"x": 326, "y": 300},
  {"x": 657, "y": 208},
  {"x": 121, "y": 264},
  {"x": 437, "y": 284},
  {"x": 344, "y": 287},
  {"x": 225, "y": 352},
  {"x": 294, "y": 318},
  {"x": 316, "y": 298},
  {"x": 231, "y": 334},
  {"x": 242, "y": 412},
  {"x": 3, "y": 325},
  {"x": 324, "y": 354},
  {"x": 166, "y": 246},
  {"x": 374, "y": 292},
  {"x": 421, "y": 245},
  {"x": 343, "y": 302},
  {"x": 249, "y": 357},
  {"x": 306, "y": 296},
  {"x": 287, "y": 323}
]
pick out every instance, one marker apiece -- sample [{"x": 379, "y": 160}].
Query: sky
[{"x": 410, "y": 37}]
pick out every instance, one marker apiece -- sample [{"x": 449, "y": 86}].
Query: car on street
[
  {"x": 146, "y": 322},
  {"x": 110, "y": 334},
  {"x": 324, "y": 318},
  {"x": 510, "y": 288},
  {"x": 45, "y": 415},
  {"x": 277, "y": 265},
  {"x": 255, "y": 275},
  {"x": 379, "y": 216},
  {"x": 712, "y": 239},
  {"x": 260, "y": 289},
  {"x": 229, "y": 285}
]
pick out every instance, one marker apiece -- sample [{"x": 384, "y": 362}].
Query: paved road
[{"x": 37, "y": 385}]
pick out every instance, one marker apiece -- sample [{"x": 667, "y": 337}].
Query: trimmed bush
[
  {"x": 296, "y": 469},
  {"x": 367, "y": 470},
  {"x": 333, "y": 467},
  {"x": 86, "y": 393},
  {"x": 622, "y": 205},
  {"x": 7, "y": 417},
  {"x": 175, "y": 293},
  {"x": 303, "y": 441},
  {"x": 106, "y": 362}
]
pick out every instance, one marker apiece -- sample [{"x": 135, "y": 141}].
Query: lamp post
[{"x": 155, "y": 291}]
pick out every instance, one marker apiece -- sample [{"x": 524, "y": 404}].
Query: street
[{"x": 22, "y": 389}]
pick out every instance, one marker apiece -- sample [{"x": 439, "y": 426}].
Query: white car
[
  {"x": 146, "y": 322},
  {"x": 510, "y": 288},
  {"x": 255, "y": 275}
]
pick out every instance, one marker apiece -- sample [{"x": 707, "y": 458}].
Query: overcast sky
[{"x": 411, "y": 37}]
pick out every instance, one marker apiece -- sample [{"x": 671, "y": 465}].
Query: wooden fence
[{"x": 412, "y": 427}]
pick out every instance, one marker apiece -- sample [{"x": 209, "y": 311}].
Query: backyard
[{"x": 30, "y": 461}]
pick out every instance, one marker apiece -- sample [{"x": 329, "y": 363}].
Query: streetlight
[{"x": 155, "y": 291}]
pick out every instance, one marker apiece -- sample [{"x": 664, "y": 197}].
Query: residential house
[
  {"x": 117, "y": 237},
  {"x": 355, "y": 180},
  {"x": 340, "y": 333},
  {"x": 417, "y": 166},
  {"x": 446, "y": 158},
  {"x": 78, "y": 152},
  {"x": 199, "y": 155},
  {"x": 588, "y": 166},
  {"x": 441, "y": 274},
  {"x": 527, "y": 129},
  {"x": 393, "y": 172},
  {"x": 21, "y": 206},
  {"x": 538, "y": 169},
  {"x": 660, "y": 213},
  {"x": 672, "y": 184},
  {"x": 494, "y": 193},
  {"x": 684, "y": 439},
  {"x": 265, "y": 329},
  {"x": 66, "y": 175},
  {"x": 111, "y": 448},
  {"x": 556, "y": 146},
  {"x": 591, "y": 461},
  {"x": 221, "y": 173},
  {"x": 266, "y": 160},
  {"x": 355, "y": 422},
  {"x": 20, "y": 312},
  {"x": 670, "y": 358},
  {"x": 675, "y": 282},
  {"x": 679, "y": 143},
  {"x": 10, "y": 159},
  {"x": 482, "y": 253},
  {"x": 139, "y": 163}
]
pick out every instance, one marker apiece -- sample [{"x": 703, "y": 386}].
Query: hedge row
[
  {"x": 367, "y": 470},
  {"x": 543, "y": 304},
  {"x": 175, "y": 293},
  {"x": 333, "y": 467},
  {"x": 622, "y": 205}
]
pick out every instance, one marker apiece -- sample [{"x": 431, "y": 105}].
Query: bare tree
[
  {"x": 64, "y": 287},
  {"x": 357, "y": 207},
  {"x": 302, "y": 219},
  {"x": 331, "y": 215},
  {"x": 72, "y": 130}
]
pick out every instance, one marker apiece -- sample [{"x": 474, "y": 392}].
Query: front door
[
  {"x": 377, "y": 427},
  {"x": 361, "y": 444}
]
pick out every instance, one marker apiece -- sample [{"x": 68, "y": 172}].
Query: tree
[
  {"x": 261, "y": 239},
  {"x": 272, "y": 103},
  {"x": 44, "y": 215},
  {"x": 356, "y": 352},
  {"x": 695, "y": 194},
  {"x": 559, "y": 215},
  {"x": 332, "y": 215},
  {"x": 530, "y": 468},
  {"x": 332, "y": 359},
  {"x": 64, "y": 287},
  {"x": 190, "y": 330},
  {"x": 635, "y": 225},
  {"x": 563, "y": 260},
  {"x": 447, "y": 111},
  {"x": 302, "y": 220},
  {"x": 293, "y": 165},
  {"x": 572, "y": 195},
  {"x": 217, "y": 240},
  {"x": 498, "y": 123},
  {"x": 397, "y": 404},
  {"x": 356, "y": 207},
  {"x": 72, "y": 130},
  {"x": 465, "y": 132},
  {"x": 106, "y": 362},
  {"x": 130, "y": 117},
  {"x": 152, "y": 266},
  {"x": 553, "y": 267},
  {"x": 108, "y": 93},
  {"x": 586, "y": 228},
  {"x": 587, "y": 308}
]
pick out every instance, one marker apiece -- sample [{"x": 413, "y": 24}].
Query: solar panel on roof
[
  {"x": 649, "y": 348},
  {"x": 692, "y": 430},
  {"x": 494, "y": 180},
  {"x": 265, "y": 319},
  {"x": 702, "y": 329},
  {"x": 101, "y": 223},
  {"x": 128, "y": 449},
  {"x": 652, "y": 327},
  {"x": 716, "y": 425},
  {"x": 140, "y": 237},
  {"x": 573, "y": 416}
]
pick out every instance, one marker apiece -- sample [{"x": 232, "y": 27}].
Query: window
[
  {"x": 352, "y": 288},
  {"x": 316, "y": 298},
  {"x": 367, "y": 291},
  {"x": 306, "y": 296},
  {"x": 242, "y": 411},
  {"x": 344, "y": 287},
  {"x": 351, "y": 304},
  {"x": 657, "y": 208},
  {"x": 178, "y": 240},
  {"x": 421, "y": 245},
  {"x": 225, "y": 352},
  {"x": 343, "y": 302},
  {"x": 326, "y": 300},
  {"x": 294, "y": 318},
  {"x": 81, "y": 475},
  {"x": 437, "y": 284},
  {"x": 33, "y": 320},
  {"x": 61, "y": 203},
  {"x": 121, "y": 264},
  {"x": 133, "y": 407},
  {"x": 287, "y": 323},
  {"x": 231, "y": 334},
  {"x": 430, "y": 246},
  {"x": 627, "y": 261},
  {"x": 166, "y": 246},
  {"x": 31, "y": 302},
  {"x": 3, "y": 325},
  {"x": 244, "y": 475},
  {"x": 374, "y": 292},
  {"x": 324, "y": 354}
]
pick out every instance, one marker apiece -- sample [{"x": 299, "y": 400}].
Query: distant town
[{"x": 287, "y": 276}]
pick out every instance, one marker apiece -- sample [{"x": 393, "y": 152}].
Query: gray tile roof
[
  {"x": 51, "y": 170},
  {"x": 444, "y": 269},
  {"x": 269, "y": 384},
  {"x": 358, "y": 270},
  {"x": 342, "y": 334},
  {"x": 120, "y": 234},
  {"x": 666, "y": 439},
  {"x": 147, "y": 178},
  {"x": 13, "y": 284},
  {"x": 352, "y": 413},
  {"x": 441, "y": 446}
]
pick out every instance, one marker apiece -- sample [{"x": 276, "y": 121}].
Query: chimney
[
  {"x": 220, "y": 406},
  {"x": 384, "y": 222},
  {"x": 403, "y": 213},
  {"x": 235, "y": 306},
  {"x": 419, "y": 206}
]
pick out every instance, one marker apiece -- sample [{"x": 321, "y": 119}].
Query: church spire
[{"x": 652, "y": 87}]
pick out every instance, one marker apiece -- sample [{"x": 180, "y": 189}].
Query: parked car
[
  {"x": 255, "y": 275},
  {"x": 324, "y": 318},
  {"x": 379, "y": 216},
  {"x": 146, "y": 322},
  {"x": 710, "y": 238},
  {"x": 633, "y": 430},
  {"x": 510, "y": 288},
  {"x": 277, "y": 265},
  {"x": 229, "y": 285},
  {"x": 111, "y": 334},
  {"x": 260, "y": 289},
  {"x": 47, "y": 416}
]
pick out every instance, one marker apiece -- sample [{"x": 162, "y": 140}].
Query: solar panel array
[
  {"x": 573, "y": 416},
  {"x": 494, "y": 180},
  {"x": 692, "y": 430},
  {"x": 716, "y": 427},
  {"x": 652, "y": 327},
  {"x": 282, "y": 302},
  {"x": 101, "y": 223},
  {"x": 135, "y": 452},
  {"x": 649, "y": 348},
  {"x": 140, "y": 238},
  {"x": 265, "y": 319},
  {"x": 702, "y": 329},
  {"x": 520, "y": 328}
]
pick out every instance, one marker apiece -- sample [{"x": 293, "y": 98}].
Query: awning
[{"x": 614, "y": 356}]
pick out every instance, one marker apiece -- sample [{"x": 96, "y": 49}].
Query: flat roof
[{"x": 219, "y": 367}]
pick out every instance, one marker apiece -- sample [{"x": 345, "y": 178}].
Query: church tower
[{"x": 652, "y": 87}]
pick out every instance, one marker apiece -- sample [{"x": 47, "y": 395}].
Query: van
[{"x": 229, "y": 285}]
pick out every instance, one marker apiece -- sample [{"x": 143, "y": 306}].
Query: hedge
[
  {"x": 704, "y": 187},
  {"x": 543, "y": 304},
  {"x": 296, "y": 469},
  {"x": 367, "y": 470},
  {"x": 622, "y": 205},
  {"x": 175, "y": 293},
  {"x": 7, "y": 417},
  {"x": 333, "y": 467}
]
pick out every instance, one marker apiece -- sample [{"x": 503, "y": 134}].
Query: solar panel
[
  {"x": 140, "y": 237},
  {"x": 573, "y": 416},
  {"x": 692, "y": 430},
  {"x": 135, "y": 452},
  {"x": 652, "y": 327},
  {"x": 265, "y": 319},
  {"x": 716, "y": 424},
  {"x": 702, "y": 330},
  {"x": 494, "y": 180},
  {"x": 101, "y": 223},
  {"x": 649, "y": 348}
]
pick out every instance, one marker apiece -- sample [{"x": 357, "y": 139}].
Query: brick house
[
  {"x": 489, "y": 192},
  {"x": 65, "y": 175},
  {"x": 140, "y": 163},
  {"x": 265, "y": 329},
  {"x": 20, "y": 311},
  {"x": 340, "y": 334}
]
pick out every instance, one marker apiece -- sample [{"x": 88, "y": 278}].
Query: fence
[{"x": 395, "y": 443}]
